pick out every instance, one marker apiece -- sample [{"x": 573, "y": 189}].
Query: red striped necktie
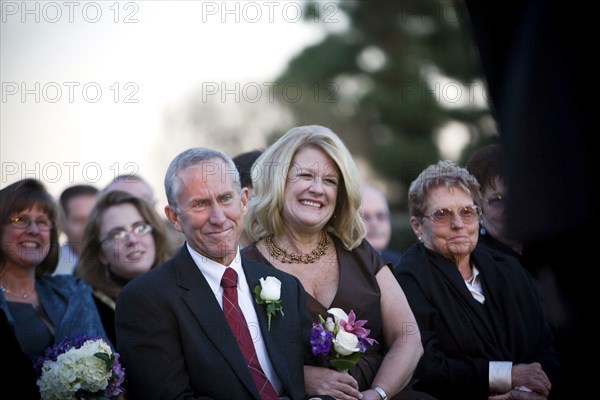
[{"x": 240, "y": 330}]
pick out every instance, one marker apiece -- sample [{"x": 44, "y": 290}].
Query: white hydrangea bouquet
[{"x": 80, "y": 368}]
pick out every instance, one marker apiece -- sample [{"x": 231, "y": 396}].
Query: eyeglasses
[
  {"x": 121, "y": 234},
  {"x": 380, "y": 216},
  {"x": 444, "y": 216},
  {"x": 23, "y": 222},
  {"x": 496, "y": 201}
]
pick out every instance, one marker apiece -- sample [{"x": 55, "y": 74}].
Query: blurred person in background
[
  {"x": 375, "y": 213},
  {"x": 134, "y": 184},
  {"x": 76, "y": 202},
  {"x": 487, "y": 165},
  {"x": 243, "y": 163}
]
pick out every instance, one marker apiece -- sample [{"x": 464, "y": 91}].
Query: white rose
[
  {"x": 345, "y": 343},
  {"x": 270, "y": 288}
]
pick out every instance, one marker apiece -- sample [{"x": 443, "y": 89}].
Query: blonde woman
[{"x": 304, "y": 220}]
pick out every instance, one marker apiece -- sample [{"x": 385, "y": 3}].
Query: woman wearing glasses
[
  {"x": 124, "y": 237},
  {"x": 41, "y": 309},
  {"x": 481, "y": 321}
]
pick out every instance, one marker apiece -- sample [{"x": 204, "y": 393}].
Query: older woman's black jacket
[{"x": 461, "y": 335}]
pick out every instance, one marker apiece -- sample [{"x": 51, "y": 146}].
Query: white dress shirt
[{"x": 213, "y": 272}]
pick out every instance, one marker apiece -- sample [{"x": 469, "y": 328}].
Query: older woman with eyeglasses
[
  {"x": 41, "y": 309},
  {"x": 481, "y": 321},
  {"x": 124, "y": 237}
]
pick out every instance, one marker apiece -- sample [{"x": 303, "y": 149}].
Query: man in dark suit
[{"x": 172, "y": 334}]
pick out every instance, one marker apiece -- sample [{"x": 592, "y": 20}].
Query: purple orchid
[{"x": 352, "y": 325}]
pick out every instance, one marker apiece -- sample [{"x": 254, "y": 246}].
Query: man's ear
[
  {"x": 245, "y": 197},
  {"x": 173, "y": 217}
]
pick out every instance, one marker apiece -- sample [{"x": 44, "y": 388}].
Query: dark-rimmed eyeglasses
[
  {"x": 121, "y": 234},
  {"x": 444, "y": 216},
  {"x": 23, "y": 222}
]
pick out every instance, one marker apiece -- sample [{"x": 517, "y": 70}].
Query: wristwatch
[{"x": 381, "y": 392}]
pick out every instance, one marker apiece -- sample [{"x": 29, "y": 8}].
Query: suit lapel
[
  {"x": 205, "y": 308},
  {"x": 273, "y": 337}
]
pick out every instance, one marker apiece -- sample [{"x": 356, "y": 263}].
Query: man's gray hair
[{"x": 190, "y": 158}]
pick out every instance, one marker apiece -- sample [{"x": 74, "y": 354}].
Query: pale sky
[{"x": 86, "y": 85}]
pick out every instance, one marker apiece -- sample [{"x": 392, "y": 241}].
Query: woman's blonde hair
[{"x": 269, "y": 176}]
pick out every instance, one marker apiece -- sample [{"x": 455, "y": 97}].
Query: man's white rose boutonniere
[{"x": 268, "y": 293}]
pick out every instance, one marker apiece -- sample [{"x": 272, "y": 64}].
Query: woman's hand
[{"x": 324, "y": 381}]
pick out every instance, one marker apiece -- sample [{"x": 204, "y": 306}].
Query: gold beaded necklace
[{"x": 280, "y": 254}]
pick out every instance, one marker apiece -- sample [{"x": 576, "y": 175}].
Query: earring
[
  {"x": 482, "y": 230},
  {"x": 420, "y": 239}
]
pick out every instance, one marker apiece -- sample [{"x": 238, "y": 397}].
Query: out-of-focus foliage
[{"x": 399, "y": 72}]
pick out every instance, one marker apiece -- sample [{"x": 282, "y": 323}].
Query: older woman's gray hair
[
  {"x": 269, "y": 175},
  {"x": 445, "y": 173}
]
